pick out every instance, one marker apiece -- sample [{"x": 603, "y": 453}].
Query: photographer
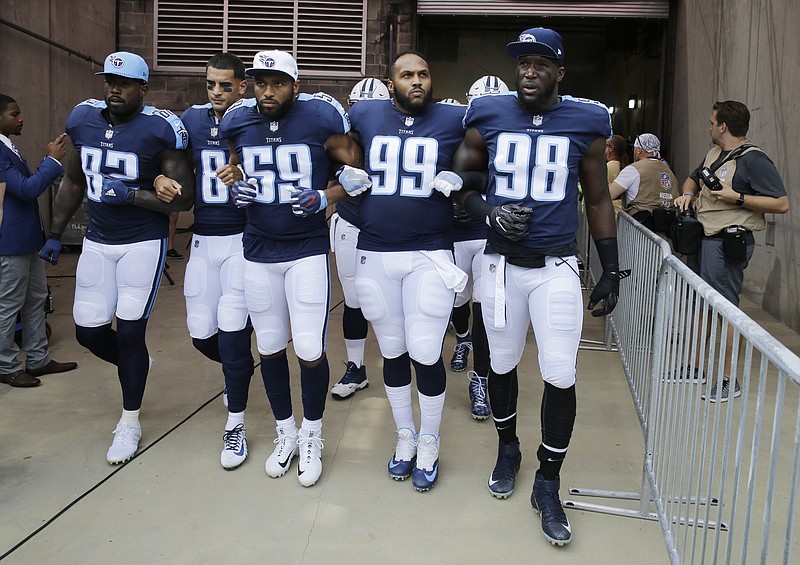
[{"x": 731, "y": 191}]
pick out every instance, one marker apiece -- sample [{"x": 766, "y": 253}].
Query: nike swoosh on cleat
[
  {"x": 241, "y": 451},
  {"x": 284, "y": 463},
  {"x": 432, "y": 476},
  {"x": 492, "y": 482}
]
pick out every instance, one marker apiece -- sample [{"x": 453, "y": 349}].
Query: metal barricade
[{"x": 720, "y": 477}]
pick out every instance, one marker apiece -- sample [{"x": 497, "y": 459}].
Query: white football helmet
[
  {"x": 488, "y": 84},
  {"x": 368, "y": 89},
  {"x": 451, "y": 101}
]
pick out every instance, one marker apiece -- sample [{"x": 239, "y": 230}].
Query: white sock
[
  {"x": 313, "y": 426},
  {"x": 234, "y": 419},
  {"x": 462, "y": 336},
  {"x": 287, "y": 423},
  {"x": 129, "y": 417},
  {"x": 430, "y": 410},
  {"x": 355, "y": 350},
  {"x": 400, "y": 401}
]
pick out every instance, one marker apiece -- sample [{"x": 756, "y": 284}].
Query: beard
[
  {"x": 278, "y": 111},
  {"x": 538, "y": 103},
  {"x": 416, "y": 105}
]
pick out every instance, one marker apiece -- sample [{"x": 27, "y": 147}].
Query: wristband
[
  {"x": 53, "y": 235},
  {"x": 476, "y": 206},
  {"x": 689, "y": 194}
]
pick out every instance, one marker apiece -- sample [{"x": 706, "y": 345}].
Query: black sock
[
  {"x": 134, "y": 361},
  {"x": 460, "y": 318},
  {"x": 397, "y": 371},
  {"x": 558, "y": 419},
  {"x": 314, "y": 383},
  {"x": 431, "y": 379},
  {"x": 101, "y": 341},
  {"x": 275, "y": 374},
  {"x": 503, "y": 392},
  {"x": 237, "y": 366},
  {"x": 208, "y": 347},
  {"x": 480, "y": 343},
  {"x": 354, "y": 324}
]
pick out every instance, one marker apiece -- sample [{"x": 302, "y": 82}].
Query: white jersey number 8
[
  {"x": 92, "y": 160},
  {"x": 545, "y": 181}
]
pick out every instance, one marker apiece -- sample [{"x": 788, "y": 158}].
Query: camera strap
[{"x": 733, "y": 155}]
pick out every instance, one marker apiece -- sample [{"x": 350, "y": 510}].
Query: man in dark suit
[{"x": 23, "y": 285}]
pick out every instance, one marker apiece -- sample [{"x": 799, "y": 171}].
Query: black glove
[
  {"x": 461, "y": 216},
  {"x": 606, "y": 291},
  {"x": 510, "y": 220}
]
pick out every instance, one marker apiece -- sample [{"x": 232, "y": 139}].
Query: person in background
[
  {"x": 23, "y": 283},
  {"x": 616, "y": 160},
  {"x": 647, "y": 184},
  {"x": 345, "y": 226}
]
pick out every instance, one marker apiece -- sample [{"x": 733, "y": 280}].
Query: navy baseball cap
[
  {"x": 127, "y": 65},
  {"x": 538, "y": 41}
]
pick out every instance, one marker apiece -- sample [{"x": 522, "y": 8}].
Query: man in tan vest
[
  {"x": 730, "y": 207},
  {"x": 648, "y": 183}
]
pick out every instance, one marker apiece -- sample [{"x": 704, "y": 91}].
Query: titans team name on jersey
[
  {"x": 297, "y": 159},
  {"x": 533, "y": 159},
  {"x": 130, "y": 152},
  {"x": 403, "y": 154},
  {"x": 214, "y": 210}
]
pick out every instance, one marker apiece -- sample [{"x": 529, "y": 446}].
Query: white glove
[
  {"x": 244, "y": 192},
  {"x": 447, "y": 182},
  {"x": 354, "y": 181}
]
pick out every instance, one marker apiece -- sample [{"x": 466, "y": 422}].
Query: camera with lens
[{"x": 710, "y": 179}]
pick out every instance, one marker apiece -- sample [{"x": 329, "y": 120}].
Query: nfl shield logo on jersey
[
  {"x": 492, "y": 267},
  {"x": 214, "y": 132},
  {"x": 273, "y": 126},
  {"x": 409, "y": 121},
  {"x": 109, "y": 133},
  {"x": 537, "y": 120}
]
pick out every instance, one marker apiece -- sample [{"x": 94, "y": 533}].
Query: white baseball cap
[
  {"x": 125, "y": 64},
  {"x": 273, "y": 61}
]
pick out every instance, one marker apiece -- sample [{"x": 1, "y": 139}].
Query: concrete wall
[
  {"x": 746, "y": 50},
  {"x": 46, "y": 81}
]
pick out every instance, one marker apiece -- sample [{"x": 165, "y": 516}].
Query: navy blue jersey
[
  {"x": 214, "y": 210},
  {"x": 284, "y": 154},
  {"x": 533, "y": 159},
  {"x": 350, "y": 210},
  {"x": 403, "y": 154},
  {"x": 130, "y": 152}
]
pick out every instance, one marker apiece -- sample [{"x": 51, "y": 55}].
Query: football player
[
  {"x": 216, "y": 313},
  {"x": 344, "y": 235},
  {"x": 121, "y": 146},
  {"x": 405, "y": 276},
  {"x": 289, "y": 143},
  {"x": 535, "y": 145},
  {"x": 486, "y": 85},
  {"x": 469, "y": 237}
]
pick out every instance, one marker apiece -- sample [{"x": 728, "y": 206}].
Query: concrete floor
[{"x": 61, "y": 502}]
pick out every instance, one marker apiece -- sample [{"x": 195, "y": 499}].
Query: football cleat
[
  {"x": 461, "y": 353},
  {"x": 477, "y": 396},
  {"x": 426, "y": 469},
  {"x": 234, "y": 450},
  {"x": 285, "y": 450},
  {"x": 125, "y": 444},
  {"x": 501, "y": 481},
  {"x": 546, "y": 502},
  {"x": 355, "y": 378},
  {"x": 309, "y": 462},
  {"x": 402, "y": 462}
]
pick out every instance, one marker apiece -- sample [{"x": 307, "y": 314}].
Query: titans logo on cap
[
  {"x": 527, "y": 38},
  {"x": 268, "y": 62},
  {"x": 118, "y": 62}
]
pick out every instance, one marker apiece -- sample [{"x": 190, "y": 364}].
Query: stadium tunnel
[{"x": 616, "y": 52}]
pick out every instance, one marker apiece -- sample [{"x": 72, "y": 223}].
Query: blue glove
[
  {"x": 354, "y": 181},
  {"x": 51, "y": 250},
  {"x": 244, "y": 192},
  {"x": 116, "y": 192},
  {"x": 307, "y": 201}
]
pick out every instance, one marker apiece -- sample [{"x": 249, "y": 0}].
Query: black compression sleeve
[
  {"x": 608, "y": 253},
  {"x": 475, "y": 180},
  {"x": 476, "y": 206}
]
